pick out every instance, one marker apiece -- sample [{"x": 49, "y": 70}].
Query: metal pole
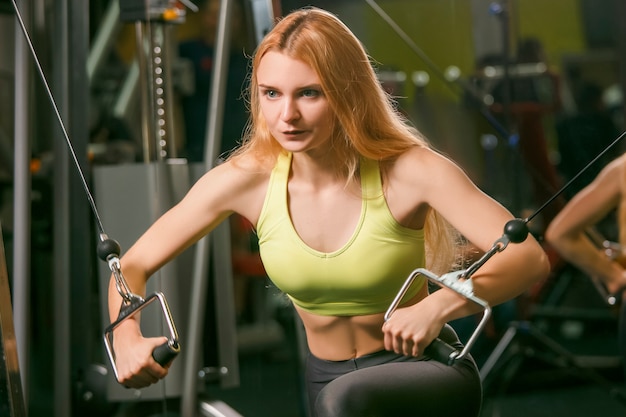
[
  {"x": 165, "y": 109},
  {"x": 222, "y": 268},
  {"x": 104, "y": 40},
  {"x": 145, "y": 80},
  {"x": 81, "y": 223},
  {"x": 61, "y": 213},
  {"x": 21, "y": 206},
  {"x": 215, "y": 116},
  {"x": 189, "y": 403}
]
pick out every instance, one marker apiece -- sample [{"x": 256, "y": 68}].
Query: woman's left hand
[{"x": 408, "y": 332}]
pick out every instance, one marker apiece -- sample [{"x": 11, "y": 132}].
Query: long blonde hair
[{"x": 367, "y": 123}]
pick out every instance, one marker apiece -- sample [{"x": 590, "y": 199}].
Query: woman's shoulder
[
  {"x": 421, "y": 160},
  {"x": 244, "y": 170},
  {"x": 237, "y": 185}
]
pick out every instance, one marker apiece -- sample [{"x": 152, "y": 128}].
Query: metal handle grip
[
  {"x": 438, "y": 349},
  {"x": 441, "y": 352},
  {"x": 165, "y": 353},
  {"x": 162, "y": 354}
]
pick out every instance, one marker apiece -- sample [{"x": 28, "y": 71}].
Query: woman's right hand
[{"x": 136, "y": 368}]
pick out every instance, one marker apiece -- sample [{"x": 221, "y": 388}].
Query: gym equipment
[
  {"x": 11, "y": 396},
  {"x": 109, "y": 249},
  {"x": 515, "y": 231}
]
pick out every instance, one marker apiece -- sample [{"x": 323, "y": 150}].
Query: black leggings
[{"x": 386, "y": 384}]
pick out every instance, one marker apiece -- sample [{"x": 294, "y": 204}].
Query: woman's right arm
[{"x": 220, "y": 192}]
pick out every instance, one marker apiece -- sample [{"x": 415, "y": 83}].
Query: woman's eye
[{"x": 310, "y": 93}]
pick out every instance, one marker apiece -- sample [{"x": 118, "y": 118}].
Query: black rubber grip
[
  {"x": 441, "y": 352},
  {"x": 165, "y": 353}
]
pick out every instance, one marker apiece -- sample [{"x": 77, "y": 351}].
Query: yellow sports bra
[{"x": 362, "y": 277}]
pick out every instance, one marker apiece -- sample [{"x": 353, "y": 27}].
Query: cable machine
[
  {"x": 126, "y": 193},
  {"x": 154, "y": 186},
  {"x": 159, "y": 182}
]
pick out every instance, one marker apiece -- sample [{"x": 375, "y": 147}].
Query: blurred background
[{"x": 523, "y": 94}]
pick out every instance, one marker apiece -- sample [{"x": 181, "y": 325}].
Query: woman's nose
[{"x": 289, "y": 110}]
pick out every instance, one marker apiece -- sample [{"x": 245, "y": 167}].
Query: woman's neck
[{"x": 318, "y": 169}]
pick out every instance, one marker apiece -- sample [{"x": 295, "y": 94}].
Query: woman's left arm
[{"x": 444, "y": 187}]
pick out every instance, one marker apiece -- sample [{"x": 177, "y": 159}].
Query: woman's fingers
[
  {"x": 137, "y": 368},
  {"x": 401, "y": 342}
]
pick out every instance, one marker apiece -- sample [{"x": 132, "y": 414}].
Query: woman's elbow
[{"x": 539, "y": 265}]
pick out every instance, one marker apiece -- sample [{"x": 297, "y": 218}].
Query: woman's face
[{"x": 293, "y": 105}]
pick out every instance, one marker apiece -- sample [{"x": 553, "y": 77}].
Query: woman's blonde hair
[{"x": 366, "y": 124}]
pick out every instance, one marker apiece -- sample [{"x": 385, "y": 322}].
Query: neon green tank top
[{"x": 362, "y": 277}]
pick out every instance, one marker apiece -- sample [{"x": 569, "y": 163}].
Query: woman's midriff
[{"x": 337, "y": 338}]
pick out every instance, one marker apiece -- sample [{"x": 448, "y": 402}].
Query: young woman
[{"x": 347, "y": 199}]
